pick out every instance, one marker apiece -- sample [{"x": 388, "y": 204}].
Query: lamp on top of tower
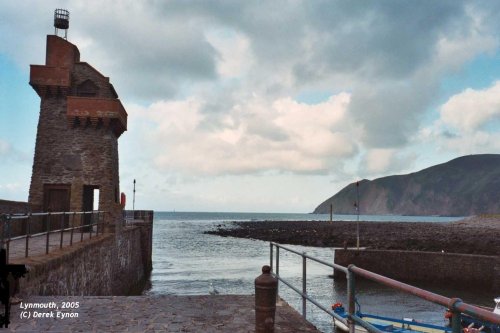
[{"x": 61, "y": 21}]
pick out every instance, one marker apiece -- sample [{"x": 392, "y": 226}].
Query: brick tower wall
[
  {"x": 77, "y": 156},
  {"x": 75, "y": 151}
]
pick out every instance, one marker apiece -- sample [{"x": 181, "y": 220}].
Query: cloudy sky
[{"x": 269, "y": 106}]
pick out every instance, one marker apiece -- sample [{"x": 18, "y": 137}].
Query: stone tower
[{"x": 81, "y": 119}]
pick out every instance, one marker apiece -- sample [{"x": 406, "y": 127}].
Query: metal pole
[
  {"x": 456, "y": 317},
  {"x": 277, "y": 260},
  {"x": 48, "y": 235},
  {"x": 304, "y": 285},
  {"x": 3, "y": 222},
  {"x": 97, "y": 225},
  {"x": 91, "y": 224},
  {"x": 271, "y": 256},
  {"x": 72, "y": 229},
  {"x": 9, "y": 235},
  {"x": 456, "y": 322},
  {"x": 277, "y": 271},
  {"x": 133, "y": 201},
  {"x": 27, "y": 236},
  {"x": 82, "y": 221},
  {"x": 351, "y": 295},
  {"x": 357, "y": 212},
  {"x": 63, "y": 216}
]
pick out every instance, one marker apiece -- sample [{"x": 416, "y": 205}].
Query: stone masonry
[
  {"x": 452, "y": 269},
  {"x": 80, "y": 122}
]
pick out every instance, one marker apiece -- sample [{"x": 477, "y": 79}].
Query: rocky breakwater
[
  {"x": 410, "y": 252},
  {"x": 478, "y": 235}
]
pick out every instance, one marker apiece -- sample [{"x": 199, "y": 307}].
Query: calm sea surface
[{"x": 186, "y": 262}]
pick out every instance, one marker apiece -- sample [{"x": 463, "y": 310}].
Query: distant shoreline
[{"x": 473, "y": 235}]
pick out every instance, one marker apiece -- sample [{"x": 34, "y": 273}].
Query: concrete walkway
[
  {"x": 168, "y": 313},
  {"x": 37, "y": 245}
]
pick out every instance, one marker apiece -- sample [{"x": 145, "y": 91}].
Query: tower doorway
[
  {"x": 56, "y": 198},
  {"x": 90, "y": 203}
]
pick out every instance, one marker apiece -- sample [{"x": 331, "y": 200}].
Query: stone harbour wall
[
  {"x": 474, "y": 271},
  {"x": 108, "y": 265},
  {"x": 14, "y": 207}
]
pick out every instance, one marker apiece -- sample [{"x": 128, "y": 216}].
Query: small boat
[
  {"x": 405, "y": 325},
  {"x": 474, "y": 325}
]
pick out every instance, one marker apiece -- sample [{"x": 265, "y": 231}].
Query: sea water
[{"x": 186, "y": 261}]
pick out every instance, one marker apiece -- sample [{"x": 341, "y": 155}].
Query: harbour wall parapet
[
  {"x": 11, "y": 207},
  {"x": 17, "y": 207},
  {"x": 480, "y": 271}
]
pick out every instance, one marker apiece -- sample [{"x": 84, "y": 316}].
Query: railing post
[
  {"x": 277, "y": 270},
  {"x": 304, "y": 285},
  {"x": 62, "y": 229},
  {"x": 277, "y": 260},
  {"x": 103, "y": 223},
  {"x": 7, "y": 248},
  {"x": 72, "y": 229},
  {"x": 271, "y": 256},
  {"x": 8, "y": 239},
  {"x": 456, "y": 320},
  {"x": 48, "y": 235},
  {"x": 91, "y": 224},
  {"x": 97, "y": 224},
  {"x": 28, "y": 232},
  {"x": 82, "y": 219},
  {"x": 3, "y": 222},
  {"x": 351, "y": 295}
]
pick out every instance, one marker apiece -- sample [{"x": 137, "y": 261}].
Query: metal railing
[
  {"x": 27, "y": 226},
  {"x": 455, "y": 305}
]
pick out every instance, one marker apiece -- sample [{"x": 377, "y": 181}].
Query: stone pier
[{"x": 167, "y": 313}]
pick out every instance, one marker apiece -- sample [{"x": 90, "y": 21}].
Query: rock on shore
[{"x": 471, "y": 236}]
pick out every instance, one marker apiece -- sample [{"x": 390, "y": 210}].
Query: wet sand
[{"x": 477, "y": 235}]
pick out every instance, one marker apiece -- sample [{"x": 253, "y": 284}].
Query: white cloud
[
  {"x": 461, "y": 142},
  {"x": 4, "y": 147},
  {"x": 467, "y": 123},
  {"x": 383, "y": 162},
  {"x": 169, "y": 50},
  {"x": 379, "y": 160},
  {"x": 235, "y": 56},
  {"x": 479, "y": 142},
  {"x": 456, "y": 48},
  {"x": 470, "y": 109},
  {"x": 11, "y": 187},
  {"x": 253, "y": 137}
]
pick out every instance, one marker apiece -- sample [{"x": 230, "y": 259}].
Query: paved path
[{"x": 166, "y": 313}]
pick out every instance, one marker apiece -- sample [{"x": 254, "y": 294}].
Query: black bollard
[{"x": 266, "y": 288}]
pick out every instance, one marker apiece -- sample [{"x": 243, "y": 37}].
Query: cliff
[{"x": 468, "y": 185}]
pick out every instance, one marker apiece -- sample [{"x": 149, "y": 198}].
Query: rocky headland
[{"x": 464, "y": 186}]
